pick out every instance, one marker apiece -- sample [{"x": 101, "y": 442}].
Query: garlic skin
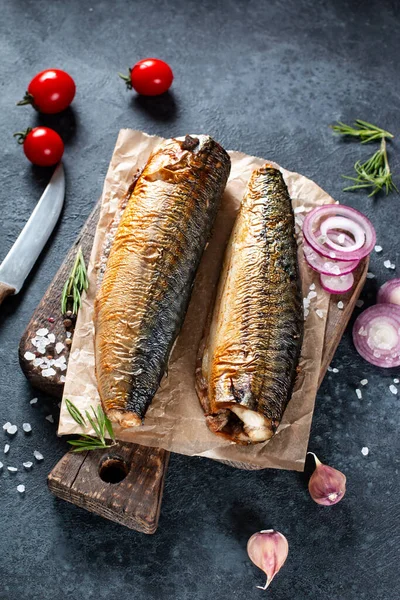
[
  {"x": 327, "y": 485},
  {"x": 268, "y": 550}
]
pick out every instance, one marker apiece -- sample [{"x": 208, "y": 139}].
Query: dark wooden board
[{"x": 135, "y": 501}]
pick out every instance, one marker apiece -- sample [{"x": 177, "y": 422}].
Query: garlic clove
[
  {"x": 327, "y": 485},
  {"x": 268, "y": 550}
]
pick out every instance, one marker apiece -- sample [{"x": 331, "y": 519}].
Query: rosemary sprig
[
  {"x": 74, "y": 286},
  {"x": 99, "y": 422},
  {"x": 374, "y": 173},
  {"x": 364, "y": 131}
]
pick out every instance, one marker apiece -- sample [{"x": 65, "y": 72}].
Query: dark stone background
[{"x": 266, "y": 78}]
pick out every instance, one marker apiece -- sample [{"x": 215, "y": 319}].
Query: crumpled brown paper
[{"x": 175, "y": 421}]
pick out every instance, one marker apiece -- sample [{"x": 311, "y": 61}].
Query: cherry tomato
[
  {"x": 50, "y": 91},
  {"x": 149, "y": 77},
  {"x": 42, "y": 145}
]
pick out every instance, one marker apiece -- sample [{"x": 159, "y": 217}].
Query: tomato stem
[
  {"x": 127, "y": 79},
  {"x": 21, "y": 135},
  {"x": 27, "y": 99}
]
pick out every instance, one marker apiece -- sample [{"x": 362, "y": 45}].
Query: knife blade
[{"x": 26, "y": 249}]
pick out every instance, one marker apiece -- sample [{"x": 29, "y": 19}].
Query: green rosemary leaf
[
  {"x": 109, "y": 427},
  {"x": 364, "y": 131},
  {"x": 93, "y": 423},
  {"x": 374, "y": 173},
  {"x": 76, "y": 283},
  {"x": 75, "y": 413}
]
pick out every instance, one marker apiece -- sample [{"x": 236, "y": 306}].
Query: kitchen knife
[{"x": 19, "y": 261}]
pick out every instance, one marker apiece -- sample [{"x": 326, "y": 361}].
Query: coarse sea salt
[
  {"x": 340, "y": 305},
  {"x": 312, "y": 286},
  {"x": 49, "y": 372},
  {"x": 6, "y": 448},
  {"x": 358, "y": 393},
  {"x": 6, "y": 425},
  {"x": 26, "y": 427},
  {"x": 387, "y": 264},
  {"x": 59, "y": 347},
  {"x": 312, "y": 294},
  {"x": 51, "y": 337},
  {"x": 33, "y": 401},
  {"x": 396, "y": 381},
  {"x": 320, "y": 313},
  {"x": 370, "y": 275},
  {"x": 299, "y": 209},
  {"x": 21, "y": 488},
  {"x": 29, "y": 356},
  {"x": 1, "y": 466},
  {"x": 62, "y": 379},
  {"x": 365, "y": 451},
  {"x": 363, "y": 381},
  {"x": 12, "y": 429},
  {"x": 37, "y": 362},
  {"x": 50, "y": 418},
  {"x": 360, "y": 303},
  {"x": 38, "y": 455},
  {"x": 335, "y": 370},
  {"x": 393, "y": 389},
  {"x": 378, "y": 249},
  {"x": 12, "y": 469},
  {"x": 27, "y": 465},
  {"x": 42, "y": 332}
]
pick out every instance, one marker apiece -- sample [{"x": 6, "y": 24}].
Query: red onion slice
[
  {"x": 389, "y": 293},
  {"x": 327, "y": 266},
  {"x": 376, "y": 335},
  {"x": 337, "y": 284},
  {"x": 312, "y": 230},
  {"x": 333, "y": 224}
]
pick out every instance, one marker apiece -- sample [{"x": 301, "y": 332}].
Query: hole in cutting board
[{"x": 113, "y": 469}]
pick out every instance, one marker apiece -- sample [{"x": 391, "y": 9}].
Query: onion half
[
  {"x": 389, "y": 293},
  {"x": 376, "y": 335}
]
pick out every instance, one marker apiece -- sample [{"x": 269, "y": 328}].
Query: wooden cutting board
[{"x": 126, "y": 483}]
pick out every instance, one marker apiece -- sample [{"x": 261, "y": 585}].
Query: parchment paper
[{"x": 175, "y": 421}]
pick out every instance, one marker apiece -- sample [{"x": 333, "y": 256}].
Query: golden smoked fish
[
  {"x": 148, "y": 278},
  {"x": 249, "y": 355}
]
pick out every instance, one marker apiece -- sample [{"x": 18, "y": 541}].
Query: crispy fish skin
[
  {"x": 249, "y": 355},
  {"x": 146, "y": 287}
]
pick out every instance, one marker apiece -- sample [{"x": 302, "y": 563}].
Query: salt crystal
[
  {"x": 387, "y": 264},
  {"x": 329, "y": 368},
  {"x": 29, "y": 356},
  {"x": 320, "y": 313},
  {"x": 26, "y": 427},
  {"x": 37, "y": 362},
  {"x": 312, "y": 295},
  {"x": 12, "y": 469},
  {"x": 62, "y": 379},
  {"x": 6, "y": 448},
  {"x": 50, "y": 418},
  {"x": 306, "y": 313},
  {"x": 362, "y": 331},
  {"x": 360, "y": 303},
  {"x": 21, "y": 488},
  {"x": 370, "y": 275},
  {"x": 396, "y": 381},
  {"x": 59, "y": 347},
  {"x": 48, "y": 372},
  {"x": 378, "y": 249},
  {"x": 336, "y": 270},
  {"x": 392, "y": 266},
  {"x": 27, "y": 465},
  {"x": 33, "y": 401},
  {"x": 340, "y": 305},
  {"x": 393, "y": 389},
  {"x": 12, "y": 430},
  {"x": 335, "y": 370},
  {"x": 364, "y": 451},
  {"x": 38, "y": 455},
  {"x": 1, "y": 466},
  {"x": 306, "y": 302},
  {"x": 42, "y": 332},
  {"x": 51, "y": 337},
  {"x": 6, "y": 425},
  {"x": 299, "y": 209},
  {"x": 312, "y": 286},
  {"x": 358, "y": 393},
  {"x": 69, "y": 334},
  {"x": 364, "y": 381},
  {"x": 63, "y": 367}
]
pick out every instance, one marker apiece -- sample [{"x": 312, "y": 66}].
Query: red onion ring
[
  {"x": 311, "y": 229},
  {"x": 337, "y": 284},
  {"x": 389, "y": 293},
  {"x": 327, "y": 266},
  {"x": 376, "y": 335},
  {"x": 334, "y": 223}
]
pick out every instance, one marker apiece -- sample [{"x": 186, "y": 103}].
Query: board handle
[{"x": 123, "y": 483}]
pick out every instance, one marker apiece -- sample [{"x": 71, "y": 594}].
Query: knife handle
[{"x": 5, "y": 290}]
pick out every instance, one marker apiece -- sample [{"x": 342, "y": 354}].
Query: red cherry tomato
[
  {"x": 50, "y": 91},
  {"x": 150, "y": 77},
  {"x": 42, "y": 146}
]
